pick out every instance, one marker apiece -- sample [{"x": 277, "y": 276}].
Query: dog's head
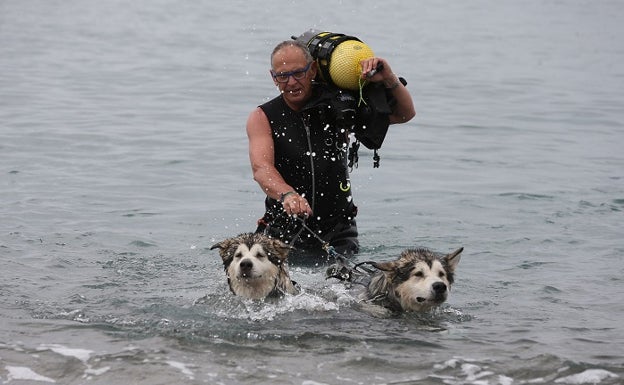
[
  {"x": 420, "y": 279},
  {"x": 255, "y": 265}
]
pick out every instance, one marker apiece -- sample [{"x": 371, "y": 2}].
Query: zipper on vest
[{"x": 305, "y": 118}]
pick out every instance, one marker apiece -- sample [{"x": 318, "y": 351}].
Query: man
[{"x": 298, "y": 152}]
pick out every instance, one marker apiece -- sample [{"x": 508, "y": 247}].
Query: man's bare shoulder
[{"x": 258, "y": 122}]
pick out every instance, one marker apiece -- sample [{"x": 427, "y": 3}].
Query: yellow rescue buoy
[{"x": 338, "y": 57}]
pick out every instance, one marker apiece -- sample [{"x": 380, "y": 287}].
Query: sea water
[{"x": 123, "y": 158}]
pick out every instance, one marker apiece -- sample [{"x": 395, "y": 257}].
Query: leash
[
  {"x": 348, "y": 272},
  {"x": 329, "y": 249},
  {"x": 343, "y": 269}
]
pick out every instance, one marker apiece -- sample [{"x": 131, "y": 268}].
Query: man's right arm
[{"x": 262, "y": 158}]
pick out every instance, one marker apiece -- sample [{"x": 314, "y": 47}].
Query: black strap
[{"x": 322, "y": 47}]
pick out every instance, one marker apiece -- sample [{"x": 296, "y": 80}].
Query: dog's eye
[
  {"x": 419, "y": 274},
  {"x": 442, "y": 275},
  {"x": 237, "y": 255}
]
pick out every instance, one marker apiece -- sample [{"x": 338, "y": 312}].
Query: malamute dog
[
  {"x": 256, "y": 266},
  {"x": 418, "y": 280}
]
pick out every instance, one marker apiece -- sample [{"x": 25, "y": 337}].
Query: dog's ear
[
  {"x": 215, "y": 246},
  {"x": 280, "y": 249},
  {"x": 395, "y": 271},
  {"x": 223, "y": 247},
  {"x": 453, "y": 258},
  {"x": 386, "y": 266}
]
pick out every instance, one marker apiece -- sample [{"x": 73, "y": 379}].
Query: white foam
[
  {"x": 24, "y": 373},
  {"x": 310, "y": 382},
  {"x": 237, "y": 307},
  {"x": 96, "y": 372},
  {"x": 590, "y": 376},
  {"x": 288, "y": 304},
  {"x": 81, "y": 354},
  {"x": 474, "y": 372},
  {"x": 452, "y": 363},
  {"x": 504, "y": 380},
  {"x": 183, "y": 368}
]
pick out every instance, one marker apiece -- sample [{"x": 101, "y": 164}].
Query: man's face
[{"x": 291, "y": 63}]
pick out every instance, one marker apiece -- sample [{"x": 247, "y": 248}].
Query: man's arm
[
  {"x": 404, "y": 108},
  {"x": 262, "y": 158}
]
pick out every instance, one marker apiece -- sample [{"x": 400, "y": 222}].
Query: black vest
[{"x": 310, "y": 151}]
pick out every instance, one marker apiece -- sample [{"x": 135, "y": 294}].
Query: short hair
[{"x": 293, "y": 43}]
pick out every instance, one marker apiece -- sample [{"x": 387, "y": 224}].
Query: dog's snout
[
  {"x": 439, "y": 287},
  {"x": 246, "y": 265}
]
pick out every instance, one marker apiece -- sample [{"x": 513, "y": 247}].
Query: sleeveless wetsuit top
[{"x": 311, "y": 155}]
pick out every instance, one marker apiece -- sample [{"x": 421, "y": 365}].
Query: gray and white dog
[{"x": 419, "y": 280}]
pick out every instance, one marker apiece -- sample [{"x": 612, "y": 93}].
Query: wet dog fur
[
  {"x": 419, "y": 280},
  {"x": 256, "y": 266}
]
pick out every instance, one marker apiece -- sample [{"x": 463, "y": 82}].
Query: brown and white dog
[
  {"x": 256, "y": 266},
  {"x": 419, "y": 280}
]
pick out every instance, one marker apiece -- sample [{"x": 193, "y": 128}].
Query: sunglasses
[{"x": 283, "y": 77}]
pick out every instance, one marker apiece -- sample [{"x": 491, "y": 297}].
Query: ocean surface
[{"x": 123, "y": 158}]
